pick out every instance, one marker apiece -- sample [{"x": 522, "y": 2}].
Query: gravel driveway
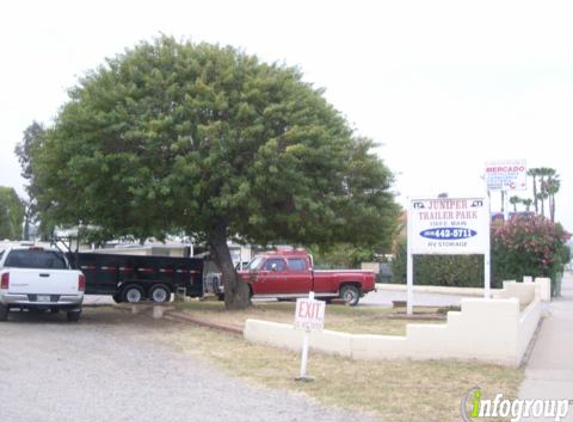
[{"x": 113, "y": 367}]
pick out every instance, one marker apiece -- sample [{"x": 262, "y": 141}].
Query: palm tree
[
  {"x": 541, "y": 197},
  {"x": 514, "y": 200},
  {"x": 527, "y": 202},
  {"x": 534, "y": 173},
  {"x": 544, "y": 173},
  {"x": 552, "y": 187}
]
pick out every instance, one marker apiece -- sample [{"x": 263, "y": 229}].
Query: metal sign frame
[{"x": 448, "y": 226}]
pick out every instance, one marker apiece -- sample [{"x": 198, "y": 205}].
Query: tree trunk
[
  {"x": 542, "y": 194},
  {"x": 26, "y": 231},
  {"x": 237, "y": 293},
  {"x": 535, "y": 195},
  {"x": 552, "y": 207}
]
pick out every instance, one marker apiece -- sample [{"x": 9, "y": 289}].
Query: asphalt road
[
  {"x": 114, "y": 366},
  {"x": 381, "y": 298},
  {"x": 385, "y": 298}
]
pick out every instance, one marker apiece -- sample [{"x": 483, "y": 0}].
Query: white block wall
[
  {"x": 491, "y": 330},
  {"x": 527, "y": 291}
]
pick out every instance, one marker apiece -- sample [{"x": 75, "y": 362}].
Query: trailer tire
[
  {"x": 4, "y": 313},
  {"x": 73, "y": 316},
  {"x": 132, "y": 293},
  {"x": 350, "y": 294},
  {"x": 160, "y": 293},
  {"x": 116, "y": 298}
]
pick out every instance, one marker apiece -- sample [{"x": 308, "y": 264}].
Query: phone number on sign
[{"x": 448, "y": 233}]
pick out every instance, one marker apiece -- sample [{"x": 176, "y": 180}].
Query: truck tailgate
[{"x": 34, "y": 281}]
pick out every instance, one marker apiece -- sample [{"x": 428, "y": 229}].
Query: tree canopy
[
  {"x": 11, "y": 214},
  {"x": 30, "y": 146},
  {"x": 179, "y": 137}
]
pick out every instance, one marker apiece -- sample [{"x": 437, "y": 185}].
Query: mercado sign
[{"x": 506, "y": 175}]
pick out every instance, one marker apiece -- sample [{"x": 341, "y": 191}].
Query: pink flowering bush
[
  {"x": 528, "y": 245},
  {"x": 525, "y": 245}
]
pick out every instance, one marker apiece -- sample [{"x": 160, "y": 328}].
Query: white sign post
[
  {"x": 447, "y": 226},
  {"x": 309, "y": 315}
]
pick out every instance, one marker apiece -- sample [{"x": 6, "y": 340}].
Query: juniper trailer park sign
[{"x": 448, "y": 226}]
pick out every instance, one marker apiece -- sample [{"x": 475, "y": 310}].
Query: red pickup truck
[{"x": 290, "y": 274}]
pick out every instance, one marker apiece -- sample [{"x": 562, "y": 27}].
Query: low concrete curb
[
  {"x": 168, "y": 312},
  {"x": 182, "y": 317},
  {"x": 491, "y": 330},
  {"x": 443, "y": 290}
]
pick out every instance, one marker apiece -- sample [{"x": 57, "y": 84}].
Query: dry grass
[
  {"x": 395, "y": 390},
  {"x": 356, "y": 320}
]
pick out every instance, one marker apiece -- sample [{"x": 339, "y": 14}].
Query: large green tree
[
  {"x": 210, "y": 141},
  {"x": 11, "y": 214}
]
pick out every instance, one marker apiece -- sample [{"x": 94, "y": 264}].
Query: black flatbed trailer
[{"x": 135, "y": 278}]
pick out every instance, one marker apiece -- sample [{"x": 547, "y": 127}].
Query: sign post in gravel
[{"x": 309, "y": 314}]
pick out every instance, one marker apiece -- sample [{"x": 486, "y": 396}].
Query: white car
[{"x": 38, "y": 278}]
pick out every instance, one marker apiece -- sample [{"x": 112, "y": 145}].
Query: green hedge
[
  {"x": 440, "y": 270},
  {"x": 523, "y": 246}
]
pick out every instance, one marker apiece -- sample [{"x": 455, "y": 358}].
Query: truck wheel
[
  {"x": 4, "y": 313},
  {"x": 116, "y": 298},
  {"x": 350, "y": 294},
  {"x": 74, "y": 316},
  {"x": 160, "y": 293},
  {"x": 132, "y": 294}
]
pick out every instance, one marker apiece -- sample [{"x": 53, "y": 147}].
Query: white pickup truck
[{"x": 40, "y": 279}]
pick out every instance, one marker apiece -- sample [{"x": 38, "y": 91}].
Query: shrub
[
  {"x": 440, "y": 270},
  {"x": 532, "y": 246},
  {"x": 525, "y": 245}
]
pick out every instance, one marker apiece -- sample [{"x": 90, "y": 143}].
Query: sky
[{"x": 442, "y": 86}]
